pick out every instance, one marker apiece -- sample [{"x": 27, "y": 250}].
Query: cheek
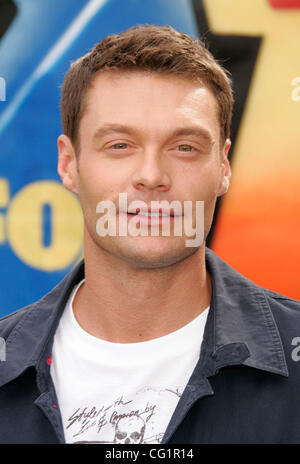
[
  {"x": 104, "y": 176},
  {"x": 204, "y": 183},
  {"x": 93, "y": 181}
]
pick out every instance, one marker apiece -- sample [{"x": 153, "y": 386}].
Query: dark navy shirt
[{"x": 244, "y": 389}]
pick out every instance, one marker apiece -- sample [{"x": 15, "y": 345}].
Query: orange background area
[
  {"x": 258, "y": 227},
  {"x": 257, "y": 233}
]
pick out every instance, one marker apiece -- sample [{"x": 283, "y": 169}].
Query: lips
[
  {"x": 153, "y": 212},
  {"x": 157, "y": 216}
]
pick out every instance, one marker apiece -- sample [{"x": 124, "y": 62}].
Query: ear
[
  {"x": 67, "y": 163},
  {"x": 226, "y": 170}
]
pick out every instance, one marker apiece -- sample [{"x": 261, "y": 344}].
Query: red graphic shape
[
  {"x": 49, "y": 360},
  {"x": 285, "y": 3}
]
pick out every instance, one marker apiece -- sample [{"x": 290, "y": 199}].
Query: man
[{"x": 152, "y": 339}]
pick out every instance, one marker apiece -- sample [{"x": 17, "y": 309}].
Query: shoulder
[
  {"x": 237, "y": 290},
  {"x": 286, "y": 310},
  {"x": 9, "y": 322},
  {"x": 285, "y": 300},
  {"x": 229, "y": 278},
  {"x": 37, "y": 315}
]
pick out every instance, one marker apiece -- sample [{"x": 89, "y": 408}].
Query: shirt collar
[
  {"x": 30, "y": 341},
  {"x": 240, "y": 326},
  {"x": 244, "y": 329}
]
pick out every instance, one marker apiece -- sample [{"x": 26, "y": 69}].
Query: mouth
[
  {"x": 150, "y": 214},
  {"x": 149, "y": 217}
]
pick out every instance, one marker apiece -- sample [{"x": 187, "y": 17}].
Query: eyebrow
[
  {"x": 198, "y": 132},
  {"x": 111, "y": 128}
]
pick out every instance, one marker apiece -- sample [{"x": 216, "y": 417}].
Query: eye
[
  {"x": 120, "y": 146},
  {"x": 185, "y": 147}
]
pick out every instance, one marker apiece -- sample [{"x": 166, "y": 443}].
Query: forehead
[{"x": 149, "y": 101}]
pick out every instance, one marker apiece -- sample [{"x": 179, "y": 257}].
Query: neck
[{"x": 123, "y": 304}]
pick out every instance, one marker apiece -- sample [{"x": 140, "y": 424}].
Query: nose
[{"x": 151, "y": 173}]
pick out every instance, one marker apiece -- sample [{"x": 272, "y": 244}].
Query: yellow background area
[
  {"x": 258, "y": 228},
  {"x": 24, "y": 226}
]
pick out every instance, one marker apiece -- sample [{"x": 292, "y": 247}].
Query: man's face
[{"x": 152, "y": 137}]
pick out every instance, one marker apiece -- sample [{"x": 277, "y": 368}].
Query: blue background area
[{"x": 28, "y": 150}]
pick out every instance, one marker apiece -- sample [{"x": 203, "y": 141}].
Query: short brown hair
[{"x": 159, "y": 49}]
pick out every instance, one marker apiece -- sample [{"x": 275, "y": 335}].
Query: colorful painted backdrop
[{"x": 256, "y": 226}]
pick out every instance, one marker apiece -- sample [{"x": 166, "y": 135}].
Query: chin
[{"x": 155, "y": 254}]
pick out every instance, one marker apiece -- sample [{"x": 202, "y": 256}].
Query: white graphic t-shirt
[{"x": 120, "y": 392}]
